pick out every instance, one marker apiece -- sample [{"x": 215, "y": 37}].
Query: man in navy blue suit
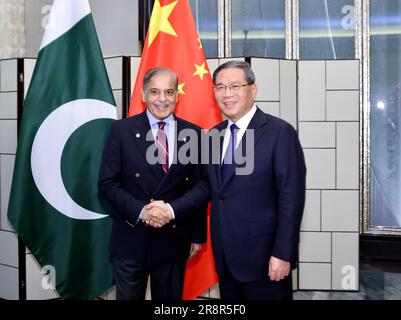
[
  {"x": 131, "y": 175},
  {"x": 256, "y": 214}
]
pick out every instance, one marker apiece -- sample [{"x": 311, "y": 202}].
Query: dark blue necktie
[{"x": 228, "y": 163}]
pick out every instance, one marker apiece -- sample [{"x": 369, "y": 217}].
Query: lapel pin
[{"x": 137, "y": 135}]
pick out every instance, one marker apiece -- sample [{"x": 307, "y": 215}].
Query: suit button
[
  {"x": 186, "y": 179},
  {"x": 173, "y": 226},
  {"x": 151, "y": 200},
  {"x": 137, "y": 174}
]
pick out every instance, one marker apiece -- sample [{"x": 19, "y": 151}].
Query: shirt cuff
[
  {"x": 140, "y": 215},
  {"x": 172, "y": 210}
]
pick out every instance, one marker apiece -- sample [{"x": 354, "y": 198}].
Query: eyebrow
[
  {"x": 162, "y": 89},
  {"x": 235, "y": 82}
]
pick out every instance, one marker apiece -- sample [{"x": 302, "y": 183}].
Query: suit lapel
[
  {"x": 140, "y": 130},
  {"x": 256, "y": 124},
  {"x": 217, "y": 166},
  {"x": 177, "y": 145},
  {"x": 174, "y": 153}
]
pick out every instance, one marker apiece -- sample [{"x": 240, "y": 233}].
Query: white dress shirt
[
  {"x": 242, "y": 124},
  {"x": 169, "y": 129}
]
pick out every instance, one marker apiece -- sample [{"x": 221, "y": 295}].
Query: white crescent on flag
[{"x": 47, "y": 149}]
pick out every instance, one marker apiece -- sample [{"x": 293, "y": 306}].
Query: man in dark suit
[
  {"x": 139, "y": 164},
  {"x": 256, "y": 212}
]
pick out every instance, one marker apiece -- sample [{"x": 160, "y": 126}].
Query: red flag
[{"x": 173, "y": 42}]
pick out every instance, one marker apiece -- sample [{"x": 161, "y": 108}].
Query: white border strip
[{"x": 63, "y": 16}]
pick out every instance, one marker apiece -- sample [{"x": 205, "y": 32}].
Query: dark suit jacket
[
  {"x": 128, "y": 182},
  {"x": 258, "y": 215}
]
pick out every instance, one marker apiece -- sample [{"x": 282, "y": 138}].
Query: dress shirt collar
[
  {"x": 243, "y": 123},
  {"x": 153, "y": 121}
]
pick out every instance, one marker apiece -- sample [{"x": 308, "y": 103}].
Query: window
[
  {"x": 385, "y": 113},
  {"x": 205, "y": 13},
  {"x": 258, "y": 28},
  {"x": 326, "y": 29}
]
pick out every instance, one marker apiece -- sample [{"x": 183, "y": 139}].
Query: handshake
[{"x": 156, "y": 214}]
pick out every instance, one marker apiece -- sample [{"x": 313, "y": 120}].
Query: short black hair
[{"x": 237, "y": 64}]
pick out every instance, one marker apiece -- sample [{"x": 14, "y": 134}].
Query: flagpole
[
  {"x": 145, "y": 10},
  {"x": 21, "y": 244}
]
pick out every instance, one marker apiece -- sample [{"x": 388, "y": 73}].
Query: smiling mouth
[
  {"x": 229, "y": 103},
  {"x": 162, "y": 107}
]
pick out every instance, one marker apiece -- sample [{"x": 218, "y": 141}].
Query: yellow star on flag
[
  {"x": 200, "y": 43},
  {"x": 181, "y": 88},
  {"x": 200, "y": 70},
  {"x": 159, "y": 21}
]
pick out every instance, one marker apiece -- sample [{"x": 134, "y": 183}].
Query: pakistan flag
[{"x": 69, "y": 107}]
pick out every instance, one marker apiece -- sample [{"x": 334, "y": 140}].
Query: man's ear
[
  {"x": 254, "y": 90},
  {"x": 143, "y": 96}
]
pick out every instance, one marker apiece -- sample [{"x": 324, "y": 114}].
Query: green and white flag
[{"x": 68, "y": 110}]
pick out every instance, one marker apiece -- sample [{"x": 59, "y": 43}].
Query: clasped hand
[{"x": 156, "y": 214}]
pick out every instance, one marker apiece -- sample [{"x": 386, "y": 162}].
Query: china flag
[{"x": 173, "y": 42}]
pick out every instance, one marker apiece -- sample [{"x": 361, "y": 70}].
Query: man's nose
[
  {"x": 162, "y": 95},
  {"x": 227, "y": 92}
]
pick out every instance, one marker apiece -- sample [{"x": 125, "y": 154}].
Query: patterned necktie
[
  {"x": 229, "y": 161},
  {"x": 162, "y": 146}
]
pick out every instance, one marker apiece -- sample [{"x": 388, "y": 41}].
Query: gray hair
[
  {"x": 154, "y": 71},
  {"x": 236, "y": 64}
]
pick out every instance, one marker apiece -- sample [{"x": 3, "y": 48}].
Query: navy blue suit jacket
[
  {"x": 256, "y": 216},
  {"x": 127, "y": 182}
]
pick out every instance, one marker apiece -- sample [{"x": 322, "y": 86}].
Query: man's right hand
[{"x": 156, "y": 214}]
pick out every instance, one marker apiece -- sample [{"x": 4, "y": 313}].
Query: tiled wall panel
[
  {"x": 345, "y": 275},
  {"x": 315, "y": 276},
  {"x": 8, "y": 145},
  {"x": 288, "y": 91},
  {"x": 340, "y": 210},
  {"x": 328, "y": 101},
  {"x": 277, "y": 89},
  {"x": 342, "y": 75},
  {"x": 347, "y": 155},
  {"x": 321, "y": 166},
  {"x": 36, "y": 285},
  {"x": 315, "y": 247},
  {"x": 114, "y": 67},
  {"x": 8, "y": 75},
  {"x": 267, "y": 73},
  {"x": 311, "y": 220},
  {"x": 311, "y": 91},
  {"x": 6, "y": 172},
  {"x": 8, "y": 105},
  {"x": 8, "y": 283},
  {"x": 8, "y": 134},
  {"x": 317, "y": 134},
  {"x": 8, "y": 248},
  {"x": 342, "y": 105}
]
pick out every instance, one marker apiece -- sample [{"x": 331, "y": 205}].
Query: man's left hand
[
  {"x": 278, "y": 269},
  {"x": 195, "y": 248},
  {"x": 164, "y": 217}
]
